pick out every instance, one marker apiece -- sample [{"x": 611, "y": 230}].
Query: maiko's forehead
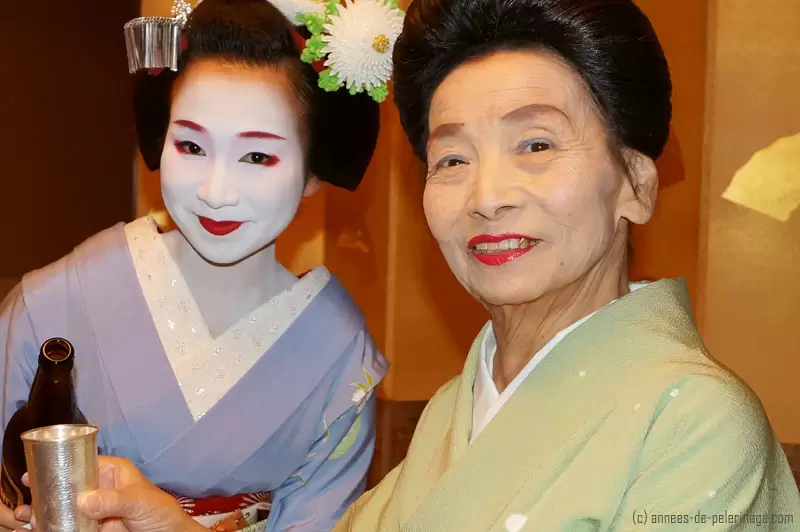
[
  {"x": 218, "y": 95},
  {"x": 489, "y": 88}
]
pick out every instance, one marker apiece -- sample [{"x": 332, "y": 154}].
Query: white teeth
[{"x": 505, "y": 245}]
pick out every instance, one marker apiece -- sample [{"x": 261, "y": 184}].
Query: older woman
[{"x": 587, "y": 403}]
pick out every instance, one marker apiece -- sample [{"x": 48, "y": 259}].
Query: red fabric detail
[
  {"x": 184, "y": 43},
  {"x": 319, "y": 66},
  {"x": 155, "y": 71},
  {"x": 299, "y": 41},
  {"x": 220, "y": 505}
]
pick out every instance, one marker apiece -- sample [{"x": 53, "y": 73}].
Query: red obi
[{"x": 227, "y": 514}]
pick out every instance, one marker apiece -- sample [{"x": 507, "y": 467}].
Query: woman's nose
[
  {"x": 493, "y": 194},
  {"x": 218, "y": 189}
]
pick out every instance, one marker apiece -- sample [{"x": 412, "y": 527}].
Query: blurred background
[{"x": 70, "y": 169}]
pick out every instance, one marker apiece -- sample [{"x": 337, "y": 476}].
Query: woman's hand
[
  {"x": 13, "y": 519},
  {"x": 128, "y": 502},
  {"x": 125, "y": 502}
]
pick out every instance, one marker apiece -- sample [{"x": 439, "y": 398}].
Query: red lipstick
[
  {"x": 497, "y": 250},
  {"x": 218, "y": 228}
]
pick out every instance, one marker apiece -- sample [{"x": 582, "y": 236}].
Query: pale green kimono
[{"x": 625, "y": 425}]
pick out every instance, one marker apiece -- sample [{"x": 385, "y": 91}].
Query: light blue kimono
[{"x": 298, "y": 424}]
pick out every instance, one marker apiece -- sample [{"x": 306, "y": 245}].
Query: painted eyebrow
[
  {"x": 533, "y": 110},
  {"x": 445, "y": 130},
  {"x": 259, "y": 135},
  {"x": 245, "y": 134},
  {"x": 525, "y": 112},
  {"x": 190, "y": 125}
]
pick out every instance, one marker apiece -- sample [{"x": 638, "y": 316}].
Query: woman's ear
[
  {"x": 312, "y": 186},
  {"x": 637, "y": 199}
]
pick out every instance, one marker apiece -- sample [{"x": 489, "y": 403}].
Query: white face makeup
[
  {"x": 232, "y": 169},
  {"x": 522, "y": 192}
]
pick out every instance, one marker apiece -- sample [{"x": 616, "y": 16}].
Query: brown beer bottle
[{"x": 51, "y": 402}]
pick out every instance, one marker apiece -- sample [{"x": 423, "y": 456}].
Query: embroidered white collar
[{"x": 205, "y": 367}]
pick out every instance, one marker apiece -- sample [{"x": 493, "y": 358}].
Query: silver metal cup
[{"x": 62, "y": 464}]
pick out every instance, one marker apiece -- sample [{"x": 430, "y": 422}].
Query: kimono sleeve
[
  {"x": 18, "y": 345},
  {"x": 368, "y": 511},
  {"x": 334, "y": 474},
  {"x": 710, "y": 462}
]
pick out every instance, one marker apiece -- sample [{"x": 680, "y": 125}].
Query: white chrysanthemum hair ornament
[
  {"x": 350, "y": 46},
  {"x": 355, "y": 40}
]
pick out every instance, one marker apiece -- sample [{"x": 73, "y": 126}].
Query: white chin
[
  {"x": 222, "y": 259},
  {"x": 216, "y": 250}
]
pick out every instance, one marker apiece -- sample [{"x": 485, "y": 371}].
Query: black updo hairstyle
[
  {"x": 610, "y": 43},
  {"x": 342, "y": 128}
]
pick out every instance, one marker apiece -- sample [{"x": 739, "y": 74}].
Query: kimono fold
[{"x": 627, "y": 424}]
